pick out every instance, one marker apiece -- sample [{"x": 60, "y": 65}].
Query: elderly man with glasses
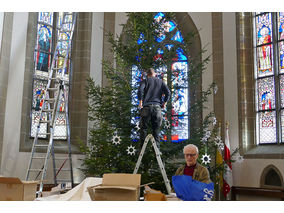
[{"x": 191, "y": 167}]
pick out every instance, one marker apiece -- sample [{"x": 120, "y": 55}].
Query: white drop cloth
[{"x": 78, "y": 193}]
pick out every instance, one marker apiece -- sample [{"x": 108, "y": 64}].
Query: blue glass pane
[
  {"x": 44, "y": 38},
  {"x": 281, "y": 25},
  {"x": 160, "y": 51},
  {"x": 42, "y": 61},
  {"x": 169, "y": 46},
  {"x": 179, "y": 128},
  {"x": 264, "y": 29},
  {"x": 169, "y": 26},
  {"x": 45, "y": 17},
  {"x": 181, "y": 56},
  {"x": 179, "y": 88},
  {"x": 141, "y": 39},
  {"x": 177, "y": 37},
  {"x": 179, "y": 101},
  {"x": 159, "y": 16},
  {"x": 161, "y": 38}
]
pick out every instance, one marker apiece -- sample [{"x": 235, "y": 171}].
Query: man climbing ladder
[{"x": 153, "y": 94}]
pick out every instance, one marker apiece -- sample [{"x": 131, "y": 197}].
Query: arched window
[
  {"x": 269, "y": 78},
  {"x": 178, "y": 82},
  {"x": 271, "y": 177},
  {"x": 47, "y": 35}
]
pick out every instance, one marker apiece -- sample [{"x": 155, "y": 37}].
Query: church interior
[{"x": 246, "y": 63}]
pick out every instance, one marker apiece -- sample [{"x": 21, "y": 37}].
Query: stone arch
[{"x": 271, "y": 177}]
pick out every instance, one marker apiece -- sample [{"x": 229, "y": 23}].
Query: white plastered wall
[
  {"x": 1, "y": 28},
  {"x": 13, "y": 161},
  {"x": 203, "y": 23}
]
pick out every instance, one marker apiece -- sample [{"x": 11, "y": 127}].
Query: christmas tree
[{"x": 149, "y": 40}]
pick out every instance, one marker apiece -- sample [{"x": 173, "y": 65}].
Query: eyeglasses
[{"x": 191, "y": 155}]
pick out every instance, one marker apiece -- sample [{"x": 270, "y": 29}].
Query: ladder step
[
  {"x": 52, "y": 89},
  {"x": 61, "y": 147},
  {"x": 38, "y": 157},
  {"x": 52, "y": 78},
  {"x": 47, "y": 110},
  {"x": 60, "y": 158},
  {"x": 65, "y": 170},
  {"x": 50, "y": 100},
  {"x": 35, "y": 170},
  {"x": 48, "y": 121},
  {"x": 43, "y": 134},
  {"x": 41, "y": 145}
]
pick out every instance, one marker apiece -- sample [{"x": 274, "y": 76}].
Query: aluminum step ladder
[
  {"x": 158, "y": 157},
  {"x": 54, "y": 95}
]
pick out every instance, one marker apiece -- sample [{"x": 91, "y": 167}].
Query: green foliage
[{"x": 110, "y": 108}]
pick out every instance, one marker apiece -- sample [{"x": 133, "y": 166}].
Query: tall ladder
[
  {"x": 55, "y": 89},
  {"x": 158, "y": 157}
]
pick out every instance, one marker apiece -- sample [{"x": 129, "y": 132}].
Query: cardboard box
[
  {"x": 13, "y": 189},
  {"x": 117, "y": 187},
  {"x": 172, "y": 197},
  {"x": 153, "y": 195}
]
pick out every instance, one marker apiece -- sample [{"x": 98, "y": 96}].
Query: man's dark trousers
[{"x": 150, "y": 115}]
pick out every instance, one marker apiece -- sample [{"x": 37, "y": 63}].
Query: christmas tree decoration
[
  {"x": 219, "y": 142},
  {"x": 215, "y": 89},
  {"x": 206, "y": 159},
  {"x": 238, "y": 158},
  {"x": 137, "y": 127},
  {"x": 116, "y": 140},
  {"x": 131, "y": 150}
]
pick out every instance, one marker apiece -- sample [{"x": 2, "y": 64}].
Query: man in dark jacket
[{"x": 153, "y": 95}]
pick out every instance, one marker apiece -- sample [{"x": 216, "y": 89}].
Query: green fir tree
[{"x": 113, "y": 137}]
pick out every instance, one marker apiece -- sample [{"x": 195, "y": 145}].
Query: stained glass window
[
  {"x": 178, "y": 120},
  {"x": 269, "y": 67},
  {"x": 48, "y": 24}
]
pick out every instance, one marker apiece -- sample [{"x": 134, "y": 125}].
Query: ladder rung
[
  {"x": 35, "y": 170},
  {"x": 50, "y": 100},
  {"x": 48, "y": 121},
  {"x": 47, "y": 110},
  {"x": 60, "y": 158},
  {"x": 44, "y": 134},
  {"x": 52, "y": 89},
  {"x": 65, "y": 170},
  {"x": 61, "y": 147},
  {"x": 52, "y": 78},
  {"x": 38, "y": 157},
  {"x": 41, "y": 145},
  {"x": 57, "y": 68}
]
